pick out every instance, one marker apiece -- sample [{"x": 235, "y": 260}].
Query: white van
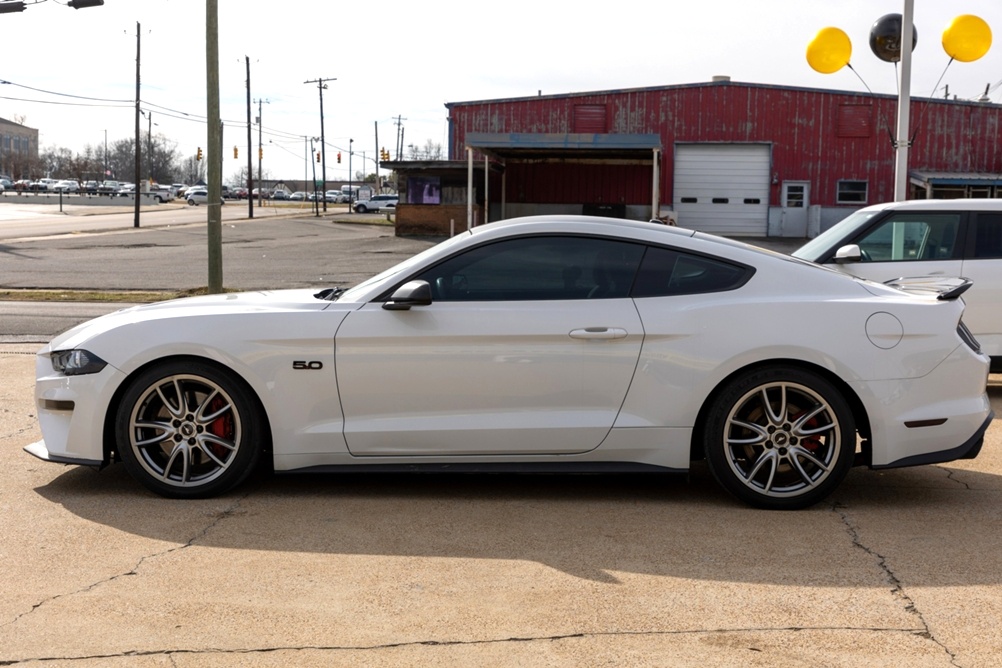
[
  {"x": 957, "y": 237},
  {"x": 356, "y": 193}
]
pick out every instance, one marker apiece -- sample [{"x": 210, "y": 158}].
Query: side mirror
[
  {"x": 412, "y": 293},
  {"x": 848, "y": 253}
]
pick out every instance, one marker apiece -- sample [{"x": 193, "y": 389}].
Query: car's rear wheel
[
  {"x": 361, "y": 208},
  {"x": 188, "y": 430},
  {"x": 780, "y": 437}
]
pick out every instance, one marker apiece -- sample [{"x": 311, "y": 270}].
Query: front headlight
[{"x": 76, "y": 362}]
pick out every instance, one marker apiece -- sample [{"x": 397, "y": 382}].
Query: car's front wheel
[
  {"x": 780, "y": 437},
  {"x": 189, "y": 429},
  {"x": 361, "y": 208}
]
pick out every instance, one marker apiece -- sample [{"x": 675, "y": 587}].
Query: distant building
[
  {"x": 18, "y": 149},
  {"x": 724, "y": 157}
]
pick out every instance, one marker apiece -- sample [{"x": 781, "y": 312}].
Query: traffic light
[
  {"x": 260, "y": 153},
  {"x": 235, "y": 152},
  {"x": 339, "y": 157},
  {"x": 384, "y": 154},
  {"x": 318, "y": 156},
  {"x": 198, "y": 156},
  {"x": 8, "y": 7}
]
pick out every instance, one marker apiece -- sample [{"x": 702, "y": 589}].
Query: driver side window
[
  {"x": 537, "y": 268},
  {"x": 912, "y": 237}
]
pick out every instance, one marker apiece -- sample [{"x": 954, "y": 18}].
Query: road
[
  {"x": 30, "y": 215},
  {"x": 264, "y": 253}
]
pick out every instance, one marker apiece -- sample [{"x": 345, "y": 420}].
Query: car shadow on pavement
[{"x": 592, "y": 527}]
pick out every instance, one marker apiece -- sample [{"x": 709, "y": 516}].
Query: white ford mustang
[{"x": 539, "y": 344}]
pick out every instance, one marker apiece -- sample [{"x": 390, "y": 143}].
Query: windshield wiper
[{"x": 329, "y": 294}]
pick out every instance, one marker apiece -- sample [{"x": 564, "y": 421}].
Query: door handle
[{"x": 599, "y": 333}]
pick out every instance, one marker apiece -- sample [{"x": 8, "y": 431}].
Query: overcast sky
[{"x": 405, "y": 58}]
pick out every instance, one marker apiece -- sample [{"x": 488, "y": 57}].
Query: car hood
[{"x": 270, "y": 301}]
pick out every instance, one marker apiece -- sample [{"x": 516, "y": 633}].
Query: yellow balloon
[
  {"x": 967, "y": 38},
  {"x": 829, "y": 51}
]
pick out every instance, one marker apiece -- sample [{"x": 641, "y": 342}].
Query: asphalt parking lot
[{"x": 898, "y": 568}]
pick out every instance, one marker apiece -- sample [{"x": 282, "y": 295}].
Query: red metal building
[{"x": 733, "y": 158}]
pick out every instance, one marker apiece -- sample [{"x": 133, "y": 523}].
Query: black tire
[
  {"x": 189, "y": 430},
  {"x": 361, "y": 208},
  {"x": 191, "y": 202},
  {"x": 781, "y": 438}
]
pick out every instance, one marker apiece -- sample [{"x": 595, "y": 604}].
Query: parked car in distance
[
  {"x": 66, "y": 186},
  {"x": 280, "y": 194},
  {"x": 108, "y": 188},
  {"x": 956, "y": 237},
  {"x": 571, "y": 344},
  {"x": 239, "y": 192},
  {"x": 377, "y": 203},
  {"x": 298, "y": 196},
  {"x": 198, "y": 195},
  {"x": 161, "y": 194},
  {"x": 337, "y": 196},
  {"x": 88, "y": 187}
]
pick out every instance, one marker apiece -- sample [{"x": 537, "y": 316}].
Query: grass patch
[{"x": 124, "y": 296}]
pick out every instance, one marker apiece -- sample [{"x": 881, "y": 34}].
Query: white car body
[
  {"x": 66, "y": 186},
  {"x": 377, "y": 203},
  {"x": 196, "y": 196},
  {"x": 585, "y": 383},
  {"x": 972, "y": 248}
]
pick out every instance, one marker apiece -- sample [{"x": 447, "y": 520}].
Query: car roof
[{"x": 978, "y": 204}]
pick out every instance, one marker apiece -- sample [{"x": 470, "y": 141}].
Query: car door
[
  {"x": 907, "y": 244},
  {"x": 529, "y": 346}
]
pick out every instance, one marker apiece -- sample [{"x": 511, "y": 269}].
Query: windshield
[
  {"x": 822, "y": 244},
  {"x": 354, "y": 293}
]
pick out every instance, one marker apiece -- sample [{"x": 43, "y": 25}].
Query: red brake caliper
[{"x": 221, "y": 427}]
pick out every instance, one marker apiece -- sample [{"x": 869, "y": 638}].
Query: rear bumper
[{"x": 966, "y": 450}]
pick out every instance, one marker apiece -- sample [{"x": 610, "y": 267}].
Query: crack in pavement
[
  {"x": 170, "y": 653},
  {"x": 219, "y": 517},
  {"x": 897, "y": 588}
]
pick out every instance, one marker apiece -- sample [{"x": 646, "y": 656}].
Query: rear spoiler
[{"x": 944, "y": 287}]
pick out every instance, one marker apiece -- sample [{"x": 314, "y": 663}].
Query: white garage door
[{"x": 723, "y": 188}]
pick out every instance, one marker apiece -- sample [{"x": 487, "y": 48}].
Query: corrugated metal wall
[{"x": 817, "y": 136}]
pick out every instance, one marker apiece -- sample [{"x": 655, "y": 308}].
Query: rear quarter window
[{"x": 665, "y": 272}]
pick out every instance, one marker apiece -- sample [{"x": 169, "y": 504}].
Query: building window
[{"x": 851, "y": 192}]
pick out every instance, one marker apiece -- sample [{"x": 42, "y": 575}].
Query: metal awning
[
  {"x": 956, "y": 178},
  {"x": 542, "y": 147}
]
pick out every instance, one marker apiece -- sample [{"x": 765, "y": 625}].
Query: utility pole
[
  {"x": 250, "y": 147},
  {"x": 260, "y": 153},
  {"x": 321, "y": 85},
  {"x": 379, "y": 184},
  {"x": 135, "y": 194},
  {"x": 214, "y": 222},
  {"x": 400, "y": 135}
]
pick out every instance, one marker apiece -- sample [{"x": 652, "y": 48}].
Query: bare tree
[{"x": 430, "y": 151}]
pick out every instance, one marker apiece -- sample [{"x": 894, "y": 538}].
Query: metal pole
[
  {"x": 904, "y": 103},
  {"x": 469, "y": 187},
  {"x": 214, "y": 148},
  {"x": 250, "y": 147},
  {"x": 135, "y": 193},
  {"x": 351, "y": 190}
]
